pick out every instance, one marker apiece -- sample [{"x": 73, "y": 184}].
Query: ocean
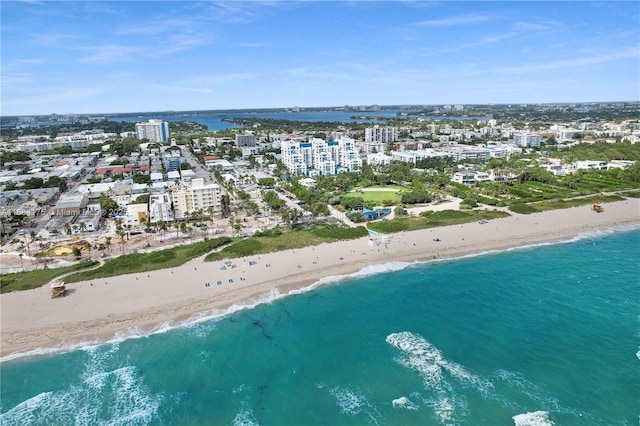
[{"x": 540, "y": 335}]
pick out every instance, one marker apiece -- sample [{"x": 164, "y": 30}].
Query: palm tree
[
  {"x": 28, "y": 249},
  {"x": 55, "y": 233},
  {"x": 67, "y": 228},
  {"x": 120, "y": 233},
  {"x": 87, "y": 245},
  {"x": 83, "y": 227},
  {"x": 107, "y": 243},
  {"x": 21, "y": 263},
  {"x": 176, "y": 225}
]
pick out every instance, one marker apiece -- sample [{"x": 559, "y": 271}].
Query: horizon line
[{"x": 386, "y": 106}]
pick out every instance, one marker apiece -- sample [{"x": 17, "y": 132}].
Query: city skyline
[{"x": 116, "y": 57}]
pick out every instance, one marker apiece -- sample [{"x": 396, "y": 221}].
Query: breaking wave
[
  {"x": 536, "y": 418},
  {"x": 113, "y": 397}
]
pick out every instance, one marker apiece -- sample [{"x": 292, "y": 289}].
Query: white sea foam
[
  {"x": 437, "y": 373},
  {"x": 354, "y": 403},
  {"x": 541, "y": 398},
  {"x": 349, "y": 401},
  {"x": 422, "y": 356},
  {"x": 367, "y": 271},
  {"x": 245, "y": 417},
  {"x": 589, "y": 235},
  {"x": 128, "y": 402},
  {"x": 404, "y": 403},
  {"x": 536, "y": 418}
]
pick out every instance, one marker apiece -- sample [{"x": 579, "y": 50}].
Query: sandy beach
[{"x": 138, "y": 303}]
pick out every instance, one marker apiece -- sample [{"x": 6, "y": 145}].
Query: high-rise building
[
  {"x": 245, "y": 140},
  {"x": 196, "y": 197},
  {"x": 319, "y": 157},
  {"x": 154, "y": 130},
  {"x": 525, "y": 139},
  {"x": 381, "y": 134}
]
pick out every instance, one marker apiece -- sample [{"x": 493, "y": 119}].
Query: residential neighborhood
[{"x": 150, "y": 188}]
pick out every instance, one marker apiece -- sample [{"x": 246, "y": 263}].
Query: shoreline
[{"x": 144, "y": 303}]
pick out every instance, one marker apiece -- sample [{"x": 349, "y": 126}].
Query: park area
[{"x": 379, "y": 195}]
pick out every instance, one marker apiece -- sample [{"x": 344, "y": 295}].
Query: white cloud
[
  {"x": 253, "y": 45},
  {"x": 458, "y": 20},
  {"x": 37, "y": 98},
  {"x": 109, "y": 54},
  {"x": 160, "y": 26},
  {"x": 574, "y": 62}
]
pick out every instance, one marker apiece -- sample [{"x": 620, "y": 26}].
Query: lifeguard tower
[{"x": 57, "y": 289}]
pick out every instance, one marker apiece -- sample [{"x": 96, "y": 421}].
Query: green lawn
[
  {"x": 33, "y": 279},
  {"x": 542, "y": 206},
  {"x": 434, "y": 219},
  {"x": 378, "y": 196},
  {"x": 288, "y": 240},
  {"x": 143, "y": 262}
]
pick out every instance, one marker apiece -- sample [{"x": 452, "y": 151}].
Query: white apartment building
[
  {"x": 526, "y": 139},
  {"x": 318, "y": 157},
  {"x": 501, "y": 150},
  {"x": 466, "y": 152},
  {"x": 415, "y": 156},
  {"x": 378, "y": 159},
  {"x": 197, "y": 196},
  {"x": 372, "y": 147},
  {"x": 154, "y": 130},
  {"x": 381, "y": 134},
  {"x": 160, "y": 208}
]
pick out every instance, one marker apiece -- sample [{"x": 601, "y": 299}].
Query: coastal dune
[{"x": 102, "y": 309}]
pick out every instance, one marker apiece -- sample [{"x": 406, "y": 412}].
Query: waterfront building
[
  {"x": 197, "y": 196},
  {"x": 160, "y": 208},
  {"x": 154, "y": 130},
  {"x": 318, "y": 157}
]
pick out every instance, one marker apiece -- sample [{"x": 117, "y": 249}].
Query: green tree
[
  {"x": 268, "y": 182},
  {"x": 33, "y": 183},
  {"x": 143, "y": 198},
  {"x": 351, "y": 203},
  {"x": 107, "y": 243},
  {"x": 108, "y": 205},
  {"x": 141, "y": 178}
]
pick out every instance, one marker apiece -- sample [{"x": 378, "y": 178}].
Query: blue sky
[{"x": 103, "y": 57}]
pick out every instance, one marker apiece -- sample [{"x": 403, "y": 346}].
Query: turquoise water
[{"x": 540, "y": 335}]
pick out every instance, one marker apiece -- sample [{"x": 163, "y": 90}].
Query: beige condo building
[{"x": 197, "y": 196}]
